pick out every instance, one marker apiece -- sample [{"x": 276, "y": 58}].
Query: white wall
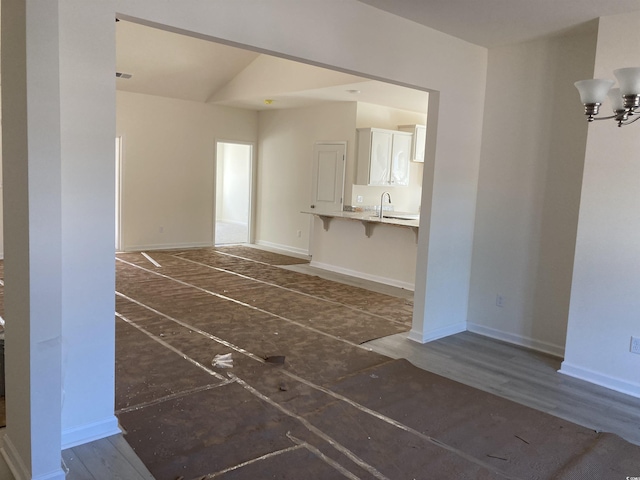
[
  {"x": 404, "y": 199},
  {"x": 388, "y": 256},
  {"x": 285, "y": 157},
  {"x": 356, "y": 38},
  {"x": 529, "y": 190},
  {"x": 605, "y": 296},
  {"x": 58, "y": 150},
  {"x": 1, "y": 202},
  {"x": 167, "y": 173}
]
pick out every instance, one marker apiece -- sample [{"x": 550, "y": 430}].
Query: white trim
[
  {"x": 13, "y": 459},
  {"x": 523, "y": 341},
  {"x": 17, "y": 467},
  {"x": 72, "y": 437},
  {"x": 118, "y": 193},
  {"x": 424, "y": 337},
  {"x": 374, "y": 278},
  {"x": 606, "y": 381},
  {"x": 253, "y": 180},
  {"x": 284, "y": 248},
  {"x": 165, "y": 246}
]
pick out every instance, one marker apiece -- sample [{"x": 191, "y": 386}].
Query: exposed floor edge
[
  {"x": 522, "y": 375},
  {"x": 352, "y": 281}
]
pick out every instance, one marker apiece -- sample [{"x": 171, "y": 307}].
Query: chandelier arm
[
  {"x": 634, "y": 119},
  {"x": 606, "y": 118}
]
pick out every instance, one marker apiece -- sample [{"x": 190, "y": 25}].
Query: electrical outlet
[
  {"x": 635, "y": 345},
  {"x": 499, "y": 300},
  {"x": 359, "y": 199}
]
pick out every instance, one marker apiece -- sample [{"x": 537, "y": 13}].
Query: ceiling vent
[{"x": 123, "y": 75}]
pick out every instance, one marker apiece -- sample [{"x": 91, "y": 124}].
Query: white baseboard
[
  {"x": 424, "y": 337},
  {"x": 606, "y": 381},
  {"x": 283, "y": 248},
  {"x": 365, "y": 276},
  {"x": 72, "y": 437},
  {"x": 164, "y": 246},
  {"x": 545, "y": 347},
  {"x": 17, "y": 466}
]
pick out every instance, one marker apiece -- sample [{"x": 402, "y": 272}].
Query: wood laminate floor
[{"x": 521, "y": 375}]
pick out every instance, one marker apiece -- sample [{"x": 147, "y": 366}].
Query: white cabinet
[
  {"x": 418, "y": 142},
  {"x": 383, "y": 157}
]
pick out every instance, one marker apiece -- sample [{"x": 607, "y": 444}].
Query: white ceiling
[
  {"x": 492, "y": 23},
  {"x": 172, "y": 65}
]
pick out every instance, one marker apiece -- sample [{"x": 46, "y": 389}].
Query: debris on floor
[{"x": 223, "y": 361}]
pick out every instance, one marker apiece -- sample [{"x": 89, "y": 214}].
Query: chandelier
[{"x": 625, "y": 99}]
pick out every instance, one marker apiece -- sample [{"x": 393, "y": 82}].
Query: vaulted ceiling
[{"x": 173, "y": 65}]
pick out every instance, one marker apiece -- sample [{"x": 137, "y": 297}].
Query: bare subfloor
[{"x": 231, "y": 367}]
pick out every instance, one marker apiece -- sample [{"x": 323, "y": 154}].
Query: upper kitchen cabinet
[
  {"x": 383, "y": 157},
  {"x": 418, "y": 142}
]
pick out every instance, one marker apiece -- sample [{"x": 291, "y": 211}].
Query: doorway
[{"x": 234, "y": 193}]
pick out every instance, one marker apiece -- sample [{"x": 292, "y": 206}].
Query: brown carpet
[{"x": 333, "y": 410}]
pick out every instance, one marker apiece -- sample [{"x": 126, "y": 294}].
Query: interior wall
[
  {"x": 605, "y": 304},
  {"x": 346, "y": 35},
  {"x": 168, "y": 167},
  {"x": 285, "y": 158},
  {"x": 404, "y": 199},
  {"x": 1, "y": 201},
  {"x": 388, "y": 256},
  {"x": 529, "y": 190}
]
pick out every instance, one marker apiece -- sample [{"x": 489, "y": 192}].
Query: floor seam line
[
  {"x": 292, "y": 290},
  {"x": 246, "y": 305},
  {"x": 252, "y": 461},
  {"x": 312, "y": 428},
  {"x": 333, "y": 394},
  {"x": 171, "y": 347},
  {"x": 173, "y": 396}
]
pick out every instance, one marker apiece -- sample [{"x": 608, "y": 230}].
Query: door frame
[
  {"x": 252, "y": 188},
  {"x": 118, "y": 193}
]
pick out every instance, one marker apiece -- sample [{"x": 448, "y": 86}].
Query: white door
[
  {"x": 328, "y": 176},
  {"x": 234, "y": 182}
]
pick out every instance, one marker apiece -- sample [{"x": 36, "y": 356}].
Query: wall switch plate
[
  {"x": 500, "y": 300},
  {"x": 635, "y": 345},
  {"x": 299, "y": 233}
]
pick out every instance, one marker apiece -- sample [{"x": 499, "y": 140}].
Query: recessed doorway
[{"x": 234, "y": 192}]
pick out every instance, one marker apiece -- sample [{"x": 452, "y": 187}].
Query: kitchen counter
[{"x": 370, "y": 219}]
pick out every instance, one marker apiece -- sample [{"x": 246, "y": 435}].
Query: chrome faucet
[{"x": 382, "y": 201}]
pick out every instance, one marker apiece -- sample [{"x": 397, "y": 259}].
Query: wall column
[
  {"x": 58, "y": 105},
  {"x": 32, "y": 240}
]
